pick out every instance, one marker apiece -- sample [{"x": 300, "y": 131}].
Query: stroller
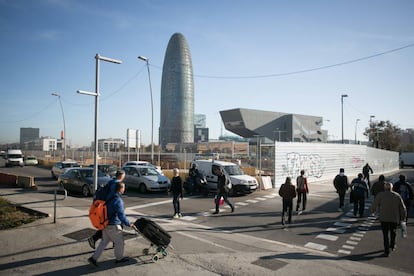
[{"x": 156, "y": 235}]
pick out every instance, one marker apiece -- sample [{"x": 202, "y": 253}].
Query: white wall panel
[{"x": 322, "y": 161}]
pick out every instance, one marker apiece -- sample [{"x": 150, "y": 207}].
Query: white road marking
[
  {"x": 340, "y": 251},
  {"x": 316, "y": 246},
  {"x": 351, "y": 242},
  {"x": 348, "y": 247},
  {"x": 358, "y": 235},
  {"x": 242, "y": 203},
  {"x": 261, "y": 198},
  {"x": 252, "y": 201},
  {"x": 336, "y": 230},
  {"x": 355, "y": 238},
  {"x": 327, "y": 237},
  {"x": 341, "y": 224}
]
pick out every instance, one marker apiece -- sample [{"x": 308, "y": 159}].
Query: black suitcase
[{"x": 153, "y": 232}]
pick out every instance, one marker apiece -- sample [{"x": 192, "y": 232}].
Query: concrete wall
[{"x": 322, "y": 161}]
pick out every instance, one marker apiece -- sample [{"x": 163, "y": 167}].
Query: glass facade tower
[{"x": 177, "y": 94}]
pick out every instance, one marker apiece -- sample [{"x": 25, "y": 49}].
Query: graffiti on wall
[
  {"x": 295, "y": 162},
  {"x": 357, "y": 162}
]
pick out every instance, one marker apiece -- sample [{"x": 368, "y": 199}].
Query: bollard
[{"x": 54, "y": 207}]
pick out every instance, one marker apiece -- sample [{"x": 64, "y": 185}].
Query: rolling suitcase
[{"x": 155, "y": 234}]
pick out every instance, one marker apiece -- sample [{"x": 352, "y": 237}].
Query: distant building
[
  {"x": 177, "y": 94},
  {"x": 274, "y": 126},
  {"x": 28, "y": 134},
  {"x": 110, "y": 144},
  {"x": 200, "y": 130}
]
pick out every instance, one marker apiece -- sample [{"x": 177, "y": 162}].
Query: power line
[{"x": 307, "y": 70}]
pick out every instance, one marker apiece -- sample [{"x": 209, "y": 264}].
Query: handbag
[{"x": 221, "y": 200}]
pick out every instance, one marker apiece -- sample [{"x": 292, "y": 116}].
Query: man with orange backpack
[
  {"x": 104, "y": 193},
  {"x": 113, "y": 231}
]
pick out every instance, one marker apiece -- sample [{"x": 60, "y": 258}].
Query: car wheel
[
  {"x": 53, "y": 175},
  {"x": 142, "y": 188},
  {"x": 85, "y": 190}
]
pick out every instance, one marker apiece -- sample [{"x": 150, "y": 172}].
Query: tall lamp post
[
  {"x": 342, "y": 116},
  {"x": 96, "y": 95},
  {"x": 145, "y": 59},
  {"x": 370, "y": 127},
  {"x": 356, "y": 125},
  {"x": 64, "y": 126}
]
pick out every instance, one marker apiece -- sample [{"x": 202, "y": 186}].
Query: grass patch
[{"x": 11, "y": 216}]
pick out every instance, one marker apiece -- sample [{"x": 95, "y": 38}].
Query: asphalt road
[{"x": 321, "y": 227}]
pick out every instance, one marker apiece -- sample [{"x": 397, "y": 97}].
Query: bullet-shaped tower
[{"x": 177, "y": 94}]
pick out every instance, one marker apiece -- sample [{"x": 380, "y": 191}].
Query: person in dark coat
[
  {"x": 222, "y": 190},
  {"x": 302, "y": 190},
  {"x": 365, "y": 172},
  {"x": 341, "y": 185},
  {"x": 405, "y": 191},
  {"x": 360, "y": 190},
  {"x": 288, "y": 192},
  {"x": 177, "y": 191},
  {"x": 378, "y": 186}
]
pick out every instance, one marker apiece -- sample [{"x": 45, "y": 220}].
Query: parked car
[
  {"x": 142, "y": 163},
  {"x": 109, "y": 170},
  {"x": 60, "y": 167},
  {"x": 31, "y": 161},
  {"x": 80, "y": 180},
  {"x": 145, "y": 178}
]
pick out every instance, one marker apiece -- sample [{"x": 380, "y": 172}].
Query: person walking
[
  {"x": 341, "y": 185},
  {"x": 113, "y": 231},
  {"x": 288, "y": 192},
  {"x": 222, "y": 190},
  {"x": 302, "y": 190},
  {"x": 405, "y": 191},
  {"x": 176, "y": 190},
  {"x": 360, "y": 190},
  {"x": 378, "y": 186},
  {"x": 391, "y": 211},
  {"x": 119, "y": 177},
  {"x": 365, "y": 171}
]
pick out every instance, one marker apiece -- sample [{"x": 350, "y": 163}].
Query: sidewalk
[{"x": 47, "y": 248}]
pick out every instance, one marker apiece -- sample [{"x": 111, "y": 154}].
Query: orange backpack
[{"x": 98, "y": 213}]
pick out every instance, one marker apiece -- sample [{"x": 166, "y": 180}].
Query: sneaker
[
  {"x": 123, "y": 260},
  {"x": 91, "y": 242},
  {"x": 180, "y": 215},
  {"x": 175, "y": 216},
  {"x": 92, "y": 261},
  {"x": 300, "y": 212},
  {"x": 215, "y": 213},
  {"x": 232, "y": 208}
]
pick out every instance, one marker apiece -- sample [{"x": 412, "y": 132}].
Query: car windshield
[
  {"x": 69, "y": 165},
  {"x": 31, "y": 158},
  {"x": 148, "y": 171},
  {"x": 233, "y": 170}
]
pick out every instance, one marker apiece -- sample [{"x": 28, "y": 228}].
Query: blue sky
[{"x": 242, "y": 52}]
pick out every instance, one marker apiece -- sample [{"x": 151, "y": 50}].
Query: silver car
[{"x": 145, "y": 179}]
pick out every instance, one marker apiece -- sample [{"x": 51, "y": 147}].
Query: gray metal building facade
[{"x": 274, "y": 126}]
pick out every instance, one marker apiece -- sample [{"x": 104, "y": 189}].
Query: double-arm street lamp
[
  {"x": 96, "y": 95},
  {"x": 342, "y": 112},
  {"x": 145, "y": 59},
  {"x": 64, "y": 127}
]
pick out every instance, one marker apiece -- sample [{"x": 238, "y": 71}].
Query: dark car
[
  {"x": 80, "y": 180},
  {"x": 109, "y": 170}
]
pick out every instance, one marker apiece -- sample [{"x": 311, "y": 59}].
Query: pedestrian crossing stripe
[
  {"x": 355, "y": 238},
  {"x": 348, "y": 247},
  {"x": 316, "y": 246},
  {"x": 336, "y": 230},
  {"x": 327, "y": 237},
  {"x": 242, "y": 203},
  {"x": 252, "y": 201},
  {"x": 341, "y": 224},
  {"x": 346, "y": 252},
  {"x": 351, "y": 242}
]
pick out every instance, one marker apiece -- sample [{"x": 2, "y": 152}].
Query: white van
[
  {"x": 241, "y": 183},
  {"x": 14, "y": 158}
]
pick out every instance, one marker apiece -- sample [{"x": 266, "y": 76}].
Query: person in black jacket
[
  {"x": 365, "y": 171},
  {"x": 177, "y": 191},
  {"x": 222, "y": 190},
  {"x": 288, "y": 192},
  {"x": 405, "y": 191},
  {"x": 360, "y": 190},
  {"x": 341, "y": 185}
]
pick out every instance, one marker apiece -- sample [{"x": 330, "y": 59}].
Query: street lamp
[
  {"x": 64, "y": 126},
  {"x": 356, "y": 125},
  {"x": 96, "y": 95},
  {"x": 370, "y": 125},
  {"x": 342, "y": 111},
  {"x": 145, "y": 59}
]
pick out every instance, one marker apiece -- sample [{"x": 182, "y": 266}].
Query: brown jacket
[
  {"x": 390, "y": 205},
  {"x": 287, "y": 191}
]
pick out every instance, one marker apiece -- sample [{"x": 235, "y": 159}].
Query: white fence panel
[{"x": 322, "y": 162}]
